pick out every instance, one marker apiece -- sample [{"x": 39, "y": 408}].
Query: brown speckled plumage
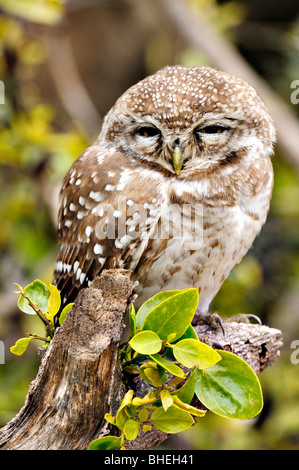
[{"x": 125, "y": 183}]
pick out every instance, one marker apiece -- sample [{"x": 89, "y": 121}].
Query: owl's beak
[{"x": 177, "y": 160}]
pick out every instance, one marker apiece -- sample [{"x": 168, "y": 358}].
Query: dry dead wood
[{"x": 80, "y": 377}]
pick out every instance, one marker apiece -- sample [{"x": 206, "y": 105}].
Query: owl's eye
[
  {"x": 213, "y": 129},
  {"x": 147, "y": 131}
]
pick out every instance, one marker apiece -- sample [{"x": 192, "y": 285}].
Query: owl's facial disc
[
  {"x": 181, "y": 150},
  {"x": 152, "y": 137}
]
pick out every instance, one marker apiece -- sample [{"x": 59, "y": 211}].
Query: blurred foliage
[
  {"x": 224, "y": 16},
  {"x": 41, "y": 11},
  {"x": 35, "y": 150},
  {"x": 39, "y": 141},
  {"x": 30, "y": 141}
]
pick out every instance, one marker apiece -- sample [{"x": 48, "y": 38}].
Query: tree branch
[{"x": 80, "y": 379}]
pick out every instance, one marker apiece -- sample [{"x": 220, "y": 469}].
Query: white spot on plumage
[
  {"x": 96, "y": 196},
  {"x": 88, "y": 230},
  {"x": 78, "y": 273},
  {"x": 110, "y": 187},
  {"x": 75, "y": 266},
  {"x": 123, "y": 242},
  {"x": 98, "y": 249},
  {"x": 58, "y": 266}
]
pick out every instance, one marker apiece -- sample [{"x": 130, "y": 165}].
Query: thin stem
[
  {"x": 39, "y": 314},
  {"x": 42, "y": 338}
]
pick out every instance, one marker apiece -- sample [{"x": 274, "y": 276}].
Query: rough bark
[{"x": 80, "y": 379}]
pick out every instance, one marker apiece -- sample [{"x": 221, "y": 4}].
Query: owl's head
[{"x": 181, "y": 119}]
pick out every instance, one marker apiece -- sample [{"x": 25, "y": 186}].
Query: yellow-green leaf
[
  {"x": 153, "y": 376},
  {"x": 121, "y": 416},
  {"x": 166, "y": 398},
  {"x": 109, "y": 418},
  {"x": 151, "y": 303},
  {"x": 39, "y": 293},
  {"x": 131, "y": 429},
  {"x": 146, "y": 342},
  {"x": 186, "y": 407},
  {"x": 64, "y": 313},
  {"x": 54, "y": 301},
  {"x": 21, "y": 345},
  {"x": 143, "y": 414},
  {"x": 172, "y": 420},
  {"x": 193, "y": 353},
  {"x": 172, "y": 315},
  {"x": 168, "y": 365},
  {"x": 105, "y": 443},
  {"x": 146, "y": 400},
  {"x": 146, "y": 427}
]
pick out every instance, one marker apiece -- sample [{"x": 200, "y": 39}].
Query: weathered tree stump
[{"x": 80, "y": 378}]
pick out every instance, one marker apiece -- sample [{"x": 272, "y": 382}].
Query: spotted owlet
[{"x": 175, "y": 188}]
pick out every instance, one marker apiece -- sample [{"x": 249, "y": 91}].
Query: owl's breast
[{"x": 202, "y": 236}]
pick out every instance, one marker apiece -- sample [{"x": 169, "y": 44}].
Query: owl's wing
[{"x": 105, "y": 219}]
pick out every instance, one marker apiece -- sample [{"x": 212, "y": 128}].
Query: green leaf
[
  {"x": 105, "y": 443},
  {"x": 172, "y": 315},
  {"x": 131, "y": 411},
  {"x": 192, "y": 353},
  {"x": 172, "y": 420},
  {"x": 230, "y": 388},
  {"x": 64, "y": 313},
  {"x": 143, "y": 414},
  {"x": 54, "y": 301},
  {"x": 121, "y": 416},
  {"x": 131, "y": 429},
  {"x": 186, "y": 407},
  {"x": 153, "y": 376},
  {"x": 151, "y": 303},
  {"x": 132, "y": 317},
  {"x": 168, "y": 365},
  {"x": 186, "y": 392},
  {"x": 21, "y": 345},
  {"x": 127, "y": 400},
  {"x": 171, "y": 337},
  {"x": 166, "y": 399},
  {"x": 146, "y": 342},
  {"x": 146, "y": 428},
  {"x": 109, "y": 418},
  {"x": 39, "y": 293},
  {"x": 146, "y": 400},
  {"x": 189, "y": 334}
]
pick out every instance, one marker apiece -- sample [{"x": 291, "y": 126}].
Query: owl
[{"x": 175, "y": 188}]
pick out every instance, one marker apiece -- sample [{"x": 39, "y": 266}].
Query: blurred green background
[{"x": 63, "y": 64}]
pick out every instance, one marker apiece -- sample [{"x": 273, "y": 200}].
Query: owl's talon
[
  {"x": 244, "y": 318},
  {"x": 251, "y": 316},
  {"x": 212, "y": 321}
]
